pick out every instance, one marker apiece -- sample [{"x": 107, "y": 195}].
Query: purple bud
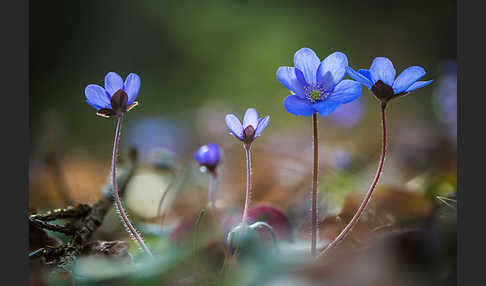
[{"x": 208, "y": 156}]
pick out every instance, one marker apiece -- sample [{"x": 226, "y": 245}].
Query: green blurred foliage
[{"x": 189, "y": 53}]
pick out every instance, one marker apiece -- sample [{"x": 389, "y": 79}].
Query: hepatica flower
[
  {"x": 117, "y": 97},
  {"x": 208, "y": 156},
  {"x": 317, "y": 86},
  {"x": 380, "y": 79},
  {"x": 251, "y": 128}
]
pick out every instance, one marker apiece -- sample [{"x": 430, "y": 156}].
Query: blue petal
[
  {"x": 307, "y": 61},
  {"x": 298, "y": 106},
  {"x": 287, "y": 76},
  {"x": 382, "y": 69},
  {"x": 300, "y": 77},
  {"x": 326, "y": 107},
  {"x": 132, "y": 86},
  {"x": 366, "y": 73},
  {"x": 250, "y": 118},
  {"x": 418, "y": 84},
  {"x": 346, "y": 91},
  {"x": 113, "y": 82},
  {"x": 332, "y": 69},
  {"x": 407, "y": 78},
  {"x": 262, "y": 124},
  {"x": 234, "y": 125},
  {"x": 359, "y": 77},
  {"x": 96, "y": 96}
]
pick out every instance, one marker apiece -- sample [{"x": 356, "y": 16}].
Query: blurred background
[{"x": 200, "y": 60}]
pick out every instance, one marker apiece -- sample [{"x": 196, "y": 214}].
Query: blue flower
[
  {"x": 251, "y": 128},
  {"x": 317, "y": 86},
  {"x": 380, "y": 79},
  {"x": 117, "y": 97},
  {"x": 208, "y": 156}
]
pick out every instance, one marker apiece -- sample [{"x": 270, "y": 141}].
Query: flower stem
[
  {"x": 315, "y": 174},
  {"x": 213, "y": 181},
  {"x": 123, "y": 214},
  {"x": 367, "y": 197},
  {"x": 244, "y": 218}
]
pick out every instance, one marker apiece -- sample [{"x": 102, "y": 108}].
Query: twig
[
  {"x": 77, "y": 211},
  {"x": 67, "y": 229},
  {"x": 90, "y": 219}
]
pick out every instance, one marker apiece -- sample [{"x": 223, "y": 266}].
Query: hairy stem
[
  {"x": 244, "y": 218},
  {"x": 315, "y": 174},
  {"x": 213, "y": 181},
  {"x": 367, "y": 197},
  {"x": 119, "y": 206}
]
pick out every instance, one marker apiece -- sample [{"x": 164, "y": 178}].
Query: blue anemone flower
[
  {"x": 208, "y": 156},
  {"x": 251, "y": 128},
  {"x": 317, "y": 86},
  {"x": 380, "y": 79},
  {"x": 117, "y": 97}
]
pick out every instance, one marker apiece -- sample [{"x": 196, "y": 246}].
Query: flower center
[
  {"x": 315, "y": 95},
  {"x": 315, "y": 92}
]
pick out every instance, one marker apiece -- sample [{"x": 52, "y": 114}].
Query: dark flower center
[
  {"x": 315, "y": 92},
  {"x": 119, "y": 102},
  {"x": 382, "y": 91},
  {"x": 249, "y": 134}
]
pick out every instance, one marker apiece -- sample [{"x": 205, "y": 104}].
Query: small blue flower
[
  {"x": 251, "y": 128},
  {"x": 117, "y": 97},
  {"x": 208, "y": 156},
  {"x": 317, "y": 86},
  {"x": 380, "y": 79}
]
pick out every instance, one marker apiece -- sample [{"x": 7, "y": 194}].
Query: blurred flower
[
  {"x": 208, "y": 156},
  {"x": 380, "y": 79},
  {"x": 417, "y": 146},
  {"x": 445, "y": 98},
  {"x": 163, "y": 159},
  {"x": 252, "y": 125},
  {"x": 208, "y": 120},
  {"x": 117, "y": 97},
  {"x": 156, "y": 134},
  {"x": 339, "y": 159},
  {"x": 265, "y": 213},
  {"x": 317, "y": 86},
  {"x": 349, "y": 114}
]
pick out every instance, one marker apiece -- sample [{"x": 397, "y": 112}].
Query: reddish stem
[
  {"x": 315, "y": 174},
  {"x": 367, "y": 197}
]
